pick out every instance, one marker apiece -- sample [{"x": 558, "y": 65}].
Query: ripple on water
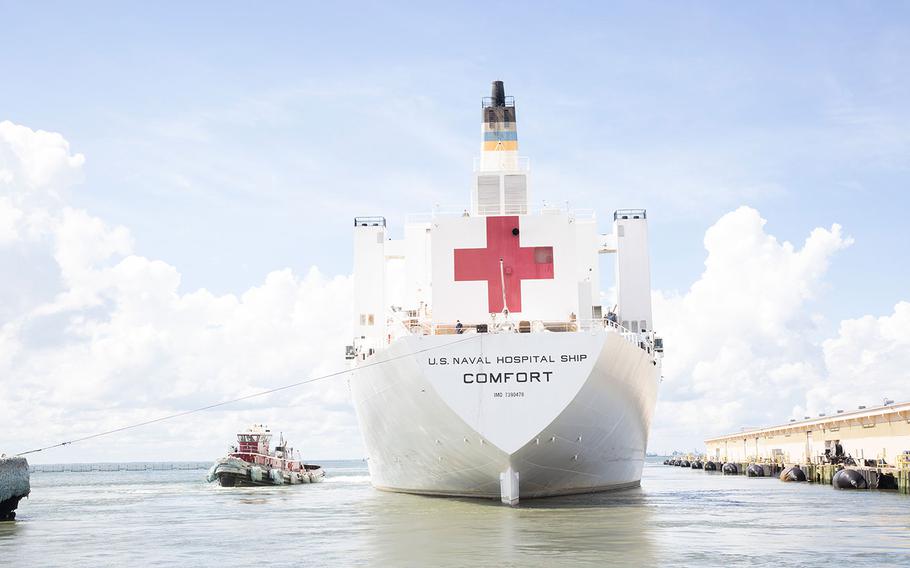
[{"x": 175, "y": 518}]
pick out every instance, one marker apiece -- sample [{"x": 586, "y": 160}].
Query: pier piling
[{"x": 882, "y": 476}]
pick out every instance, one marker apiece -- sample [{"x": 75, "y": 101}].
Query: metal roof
[{"x": 900, "y": 410}]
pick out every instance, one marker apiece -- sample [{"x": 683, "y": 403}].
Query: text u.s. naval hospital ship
[{"x": 500, "y": 374}]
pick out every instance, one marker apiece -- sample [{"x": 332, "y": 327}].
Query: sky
[{"x": 177, "y": 185}]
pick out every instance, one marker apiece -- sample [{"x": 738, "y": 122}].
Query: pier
[
  {"x": 872, "y": 443},
  {"x": 880, "y": 435},
  {"x": 874, "y": 477}
]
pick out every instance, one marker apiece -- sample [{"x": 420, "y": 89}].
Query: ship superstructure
[{"x": 495, "y": 370}]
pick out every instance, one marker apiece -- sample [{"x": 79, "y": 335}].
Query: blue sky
[{"x": 234, "y": 140}]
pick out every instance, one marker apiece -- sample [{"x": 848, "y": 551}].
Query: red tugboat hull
[{"x": 253, "y": 464}]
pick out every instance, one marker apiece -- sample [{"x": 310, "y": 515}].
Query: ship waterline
[{"x": 430, "y": 428}]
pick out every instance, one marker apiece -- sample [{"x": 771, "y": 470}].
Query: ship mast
[{"x": 502, "y": 280}]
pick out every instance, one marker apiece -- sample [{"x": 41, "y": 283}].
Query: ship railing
[
  {"x": 506, "y": 163},
  {"x": 438, "y": 212},
  {"x": 644, "y": 340},
  {"x": 449, "y": 211},
  {"x": 262, "y": 459},
  {"x": 584, "y": 214},
  {"x": 488, "y": 102},
  {"x": 630, "y": 214}
]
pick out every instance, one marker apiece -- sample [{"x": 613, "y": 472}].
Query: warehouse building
[{"x": 881, "y": 433}]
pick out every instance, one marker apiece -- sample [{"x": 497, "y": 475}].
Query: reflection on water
[
  {"x": 600, "y": 529},
  {"x": 677, "y": 517}
]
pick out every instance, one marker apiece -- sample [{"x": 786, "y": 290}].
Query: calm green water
[{"x": 677, "y": 517}]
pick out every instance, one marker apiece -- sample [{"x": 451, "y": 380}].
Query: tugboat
[{"x": 251, "y": 463}]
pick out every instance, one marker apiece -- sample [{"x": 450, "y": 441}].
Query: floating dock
[
  {"x": 14, "y": 485},
  {"x": 873, "y": 442}
]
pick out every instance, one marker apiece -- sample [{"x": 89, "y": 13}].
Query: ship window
[
  {"x": 644, "y": 325},
  {"x": 634, "y": 327},
  {"x": 370, "y": 319}
]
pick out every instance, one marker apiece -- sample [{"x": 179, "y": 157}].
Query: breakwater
[{"x": 127, "y": 466}]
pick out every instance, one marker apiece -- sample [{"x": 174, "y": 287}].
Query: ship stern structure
[
  {"x": 493, "y": 368},
  {"x": 507, "y": 416}
]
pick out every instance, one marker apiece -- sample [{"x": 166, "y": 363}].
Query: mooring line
[{"x": 246, "y": 397}]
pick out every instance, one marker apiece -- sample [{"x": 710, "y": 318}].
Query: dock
[
  {"x": 872, "y": 442},
  {"x": 875, "y": 477}
]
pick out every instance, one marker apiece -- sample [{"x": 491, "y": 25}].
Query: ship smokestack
[
  {"x": 502, "y": 177},
  {"x": 498, "y": 125},
  {"x": 499, "y": 94}
]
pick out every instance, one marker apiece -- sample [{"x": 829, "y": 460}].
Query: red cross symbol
[{"x": 518, "y": 263}]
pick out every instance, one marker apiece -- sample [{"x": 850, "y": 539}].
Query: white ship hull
[{"x": 450, "y": 414}]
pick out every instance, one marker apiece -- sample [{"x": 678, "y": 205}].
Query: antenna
[{"x": 502, "y": 280}]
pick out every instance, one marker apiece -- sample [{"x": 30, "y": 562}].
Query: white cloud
[
  {"x": 868, "y": 361},
  {"x": 94, "y": 336},
  {"x": 112, "y": 341},
  {"x": 742, "y": 345},
  {"x": 36, "y": 161},
  {"x": 10, "y": 217},
  {"x": 744, "y": 348}
]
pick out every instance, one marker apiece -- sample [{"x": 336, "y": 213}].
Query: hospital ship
[{"x": 485, "y": 361}]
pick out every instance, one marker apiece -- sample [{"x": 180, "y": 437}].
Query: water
[{"x": 678, "y": 516}]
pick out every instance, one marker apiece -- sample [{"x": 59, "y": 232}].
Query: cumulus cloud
[
  {"x": 742, "y": 343},
  {"x": 868, "y": 361},
  {"x": 94, "y": 336},
  {"x": 36, "y": 162},
  {"x": 10, "y": 216}
]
